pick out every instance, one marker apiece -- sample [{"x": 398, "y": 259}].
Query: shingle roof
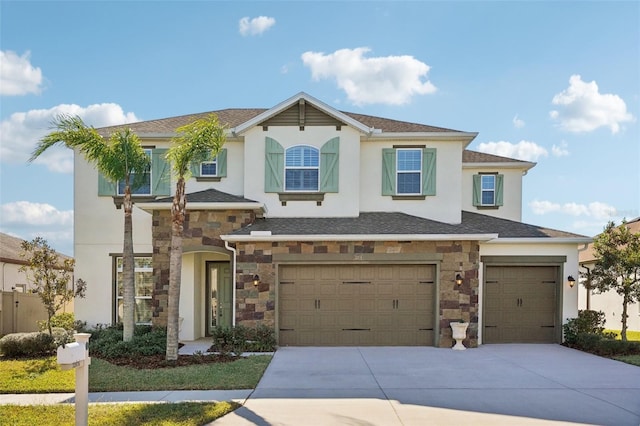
[
  {"x": 381, "y": 223},
  {"x": 208, "y": 196},
  {"x": 11, "y": 250},
  {"x": 480, "y": 157}
]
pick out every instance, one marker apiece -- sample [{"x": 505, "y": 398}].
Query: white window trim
[
  {"x": 301, "y": 168},
  {"x": 398, "y": 171},
  {"x": 214, "y": 161},
  {"x": 482, "y": 190},
  {"x": 118, "y": 298}
]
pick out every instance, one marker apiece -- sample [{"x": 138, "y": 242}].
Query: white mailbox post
[{"x": 76, "y": 355}]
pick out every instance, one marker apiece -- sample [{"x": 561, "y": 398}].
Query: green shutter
[
  {"x": 388, "y": 171},
  {"x": 106, "y": 188},
  {"x": 222, "y": 163},
  {"x": 477, "y": 190},
  {"x": 274, "y": 166},
  {"x": 499, "y": 189},
  {"x": 329, "y": 155},
  {"x": 429, "y": 171},
  {"x": 195, "y": 169},
  {"x": 160, "y": 173}
]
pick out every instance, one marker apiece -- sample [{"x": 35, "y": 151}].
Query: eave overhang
[
  {"x": 150, "y": 207},
  {"x": 520, "y": 165},
  {"x": 465, "y": 137},
  {"x": 263, "y": 236},
  {"x": 542, "y": 240}
]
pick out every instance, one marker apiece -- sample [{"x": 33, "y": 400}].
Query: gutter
[
  {"x": 233, "y": 283},
  {"x": 148, "y": 207},
  {"x": 542, "y": 240},
  {"x": 268, "y": 236}
]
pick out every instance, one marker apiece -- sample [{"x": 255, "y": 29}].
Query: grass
[
  {"x": 629, "y": 359},
  {"x": 182, "y": 414},
  {"x": 241, "y": 374},
  {"x": 45, "y": 376},
  {"x": 631, "y": 335}
]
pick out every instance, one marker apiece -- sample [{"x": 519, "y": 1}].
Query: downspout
[{"x": 233, "y": 281}]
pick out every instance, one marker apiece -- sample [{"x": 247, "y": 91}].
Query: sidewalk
[{"x": 239, "y": 396}]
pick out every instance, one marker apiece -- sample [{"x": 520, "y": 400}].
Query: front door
[{"x": 219, "y": 294}]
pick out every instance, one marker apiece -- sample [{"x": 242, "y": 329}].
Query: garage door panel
[
  {"x": 520, "y": 304},
  {"x": 357, "y": 305}
]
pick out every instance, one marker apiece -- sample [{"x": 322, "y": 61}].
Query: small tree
[
  {"x": 196, "y": 142},
  {"x": 50, "y": 276},
  {"x": 617, "y": 253}
]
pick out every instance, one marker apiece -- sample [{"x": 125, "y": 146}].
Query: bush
[
  {"x": 23, "y": 345},
  {"x": 64, "y": 320},
  {"x": 241, "y": 339},
  {"x": 106, "y": 342},
  {"x": 590, "y": 322}
]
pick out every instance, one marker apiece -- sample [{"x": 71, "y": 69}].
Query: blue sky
[{"x": 557, "y": 83}]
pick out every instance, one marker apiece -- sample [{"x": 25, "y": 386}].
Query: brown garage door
[
  {"x": 356, "y": 305},
  {"x": 520, "y": 304}
]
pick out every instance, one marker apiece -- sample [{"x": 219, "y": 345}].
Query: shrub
[
  {"x": 106, "y": 342},
  {"x": 241, "y": 339},
  {"x": 22, "y": 345},
  {"x": 64, "y": 320},
  {"x": 591, "y": 322}
]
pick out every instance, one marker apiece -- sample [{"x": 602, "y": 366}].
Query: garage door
[
  {"x": 520, "y": 304},
  {"x": 356, "y": 305}
]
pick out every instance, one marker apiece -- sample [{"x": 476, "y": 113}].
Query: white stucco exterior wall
[
  {"x": 11, "y": 276},
  {"x": 444, "y": 206},
  {"x": 99, "y": 232}
]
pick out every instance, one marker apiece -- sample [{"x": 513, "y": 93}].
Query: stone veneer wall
[
  {"x": 255, "y": 305},
  {"x": 201, "y": 228}
]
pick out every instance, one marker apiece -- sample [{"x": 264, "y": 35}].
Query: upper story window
[
  {"x": 143, "y": 186},
  {"x": 488, "y": 190},
  {"x": 157, "y": 181},
  {"x": 409, "y": 171},
  {"x": 302, "y": 168},
  {"x": 212, "y": 170}
]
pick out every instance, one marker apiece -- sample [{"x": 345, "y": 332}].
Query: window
[
  {"x": 157, "y": 181},
  {"x": 302, "y": 167},
  {"x": 212, "y": 170},
  {"x": 140, "y": 185},
  {"x": 303, "y": 170},
  {"x": 487, "y": 190},
  {"x": 143, "y": 282},
  {"x": 209, "y": 168},
  {"x": 409, "y": 172}
]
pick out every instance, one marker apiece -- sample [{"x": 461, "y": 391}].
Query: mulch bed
[{"x": 159, "y": 361}]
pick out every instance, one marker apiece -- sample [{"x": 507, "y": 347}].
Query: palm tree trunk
[
  {"x": 128, "y": 284},
  {"x": 178, "y": 209}
]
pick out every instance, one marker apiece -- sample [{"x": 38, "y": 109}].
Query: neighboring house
[
  {"x": 19, "y": 310},
  {"x": 336, "y": 229},
  {"x": 608, "y": 302}
]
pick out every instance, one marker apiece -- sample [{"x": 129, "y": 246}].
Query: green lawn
[
  {"x": 183, "y": 414},
  {"x": 629, "y": 359},
  {"x": 45, "y": 376}
]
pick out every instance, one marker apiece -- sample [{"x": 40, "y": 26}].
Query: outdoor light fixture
[
  {"x": 459, "y": 279},
  {"x": 572, "y": 281},
  {"x": 256, "y": 280}
]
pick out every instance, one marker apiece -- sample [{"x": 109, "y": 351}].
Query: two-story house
[{"x": 334, "y": 228}]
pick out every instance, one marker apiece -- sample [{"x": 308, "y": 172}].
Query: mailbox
[{"x": 71, "y": 353}]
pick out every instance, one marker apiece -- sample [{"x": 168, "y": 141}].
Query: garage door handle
[
  {"x": 356, "y": 282},
  {"x": 356, "y": 329},
  {"x": 490, "y": 326},
  {"x": 425, "y": 329},
  {"x": 547, "y": 326}
]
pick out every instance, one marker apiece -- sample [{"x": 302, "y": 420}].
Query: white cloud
[
  {"x": 20, "y": 133},
  {"x": 584, "y": 109},
  {"x": 560, "y": 150},
  {"x": 255, "y": 26},
  {"x": 28, "y": 220},
  {"x": 387, "y": 79},
  {"x": 596, "y": 209},
  {"x": 517, "y": 122},
  {"x": 523, "y": 150},
  {"x": 17, "y": 75}
]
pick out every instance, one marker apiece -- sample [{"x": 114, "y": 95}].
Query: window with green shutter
[
  {"x": 408, "y": 171},
  {"x": 212, "y": 170},
  {"x": 158, "y": 179},
  {"x": 488, "y": 190}
]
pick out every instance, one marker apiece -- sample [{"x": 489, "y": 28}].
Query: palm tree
[
  {"x": 196, "y": 142},
  {"x": 120, "y": 158}
]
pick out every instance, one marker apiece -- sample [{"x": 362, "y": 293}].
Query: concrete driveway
[{"x": 493, "y": 384}]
